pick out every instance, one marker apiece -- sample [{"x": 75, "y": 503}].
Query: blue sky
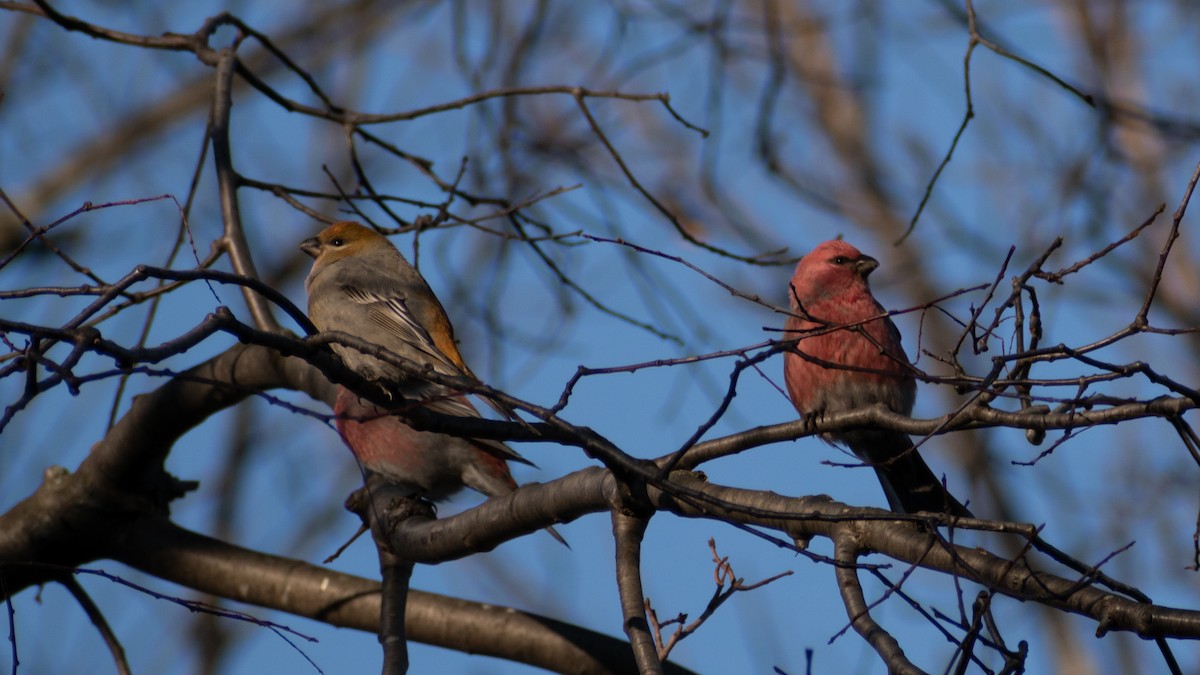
[{"x": 1008, "y": 185}]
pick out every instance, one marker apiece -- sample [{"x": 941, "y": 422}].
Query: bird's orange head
[{"x": 342, "y": 240}]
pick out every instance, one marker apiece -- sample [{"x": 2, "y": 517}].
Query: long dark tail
[
  {"x": 909, "y": 483},
  {"x": 558, "y": 537}
]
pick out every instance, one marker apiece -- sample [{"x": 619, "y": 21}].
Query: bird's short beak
[
  {"x": 864, "y": 265},
  {"x": 311, "y": 246}
]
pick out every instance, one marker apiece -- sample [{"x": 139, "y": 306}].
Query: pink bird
[
  {"x": 860, "y": 365},
  {"x": 361, "y": 285}
]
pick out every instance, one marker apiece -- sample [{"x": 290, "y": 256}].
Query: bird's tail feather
[{"x": 911, "y": 486}]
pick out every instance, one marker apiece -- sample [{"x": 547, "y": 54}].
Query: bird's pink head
[
  {"x": 832, "y": 268},
  {"x": 342, "y": 240}
]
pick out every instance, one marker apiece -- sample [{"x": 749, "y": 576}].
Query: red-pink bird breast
[{"x": 856, "y": 358}]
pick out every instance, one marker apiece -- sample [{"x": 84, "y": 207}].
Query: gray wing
[{"x": 390, "y": 313}]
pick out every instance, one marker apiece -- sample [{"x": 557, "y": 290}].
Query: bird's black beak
[
  {"x": 865, "y": 265},
  {"x": 311, "y": 246}
]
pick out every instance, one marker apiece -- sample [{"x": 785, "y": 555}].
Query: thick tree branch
[
  {"x": 628, "y": 531},
  {"x": 163, "y": 549},
  {"x": 847, "y": 551},
  {"x": 915, "y": 544}
]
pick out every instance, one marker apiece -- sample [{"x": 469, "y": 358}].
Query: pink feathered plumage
[{"x": 858, "y": 366}]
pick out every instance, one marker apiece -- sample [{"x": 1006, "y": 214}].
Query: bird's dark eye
[
  {"x": 841, "y": 260},
  {"x": 337, "y": 242}
]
